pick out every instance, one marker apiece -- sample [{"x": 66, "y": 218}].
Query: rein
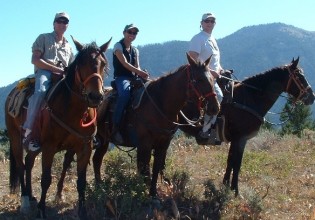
[
  {"x": 201, "y": 99},
  {"x": 292, "y": 78},
  {"x": 81, "y": 96},
  {"x": 71, "y": 130}
]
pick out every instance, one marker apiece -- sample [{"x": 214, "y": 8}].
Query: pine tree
[{"x": 297, "y": 117}]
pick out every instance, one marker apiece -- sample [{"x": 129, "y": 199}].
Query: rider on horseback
[
  {"x": 126, "y": 66},
  {"x": 49, "y": 50},
  {"x": 202, "y": 45}
]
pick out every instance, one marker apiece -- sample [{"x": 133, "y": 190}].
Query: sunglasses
[
  {"x": 62, "y": 21},
  {"x": 209, "y": 21},
  {"x": 132, "y": 33}
]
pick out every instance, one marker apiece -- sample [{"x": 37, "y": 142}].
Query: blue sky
[{"x": 159, "y": 21}]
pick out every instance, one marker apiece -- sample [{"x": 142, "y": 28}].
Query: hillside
[
  {"x": 247, "y": 51},
  {"x": 277, "y": 182}
]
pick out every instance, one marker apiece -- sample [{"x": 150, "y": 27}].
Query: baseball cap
[
  {"x": 207, "y": 15},
  {"x": 62, "y": 15},
  {"x": 131, "y": 26}
]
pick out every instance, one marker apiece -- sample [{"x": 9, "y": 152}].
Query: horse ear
[
  {"x": 105, "y": 46},
  {"x": 191, "y": 60},
  {"x": 78, "y": 45},
  {"x": 208, "y": 61},
  {"x": 294, "y": 63}
]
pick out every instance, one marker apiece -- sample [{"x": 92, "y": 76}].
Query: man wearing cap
[
  {"x": 201, "y": 47},
  {"x": 126, "y": 66},
  {"x": 51, "y": 52}
]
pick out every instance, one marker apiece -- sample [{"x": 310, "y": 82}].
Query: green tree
[
  {"x": 4, "y": 136},
  {"x": 297, "y": 117}
]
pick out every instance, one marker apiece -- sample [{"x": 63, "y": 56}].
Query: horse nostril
[{"x": 96, "y": 97}]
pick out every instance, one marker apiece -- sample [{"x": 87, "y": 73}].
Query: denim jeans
[
  {"x": 210, "y": 120},
  {"x": 123, "y": 89},
  {"x": 42, "y": 84}
]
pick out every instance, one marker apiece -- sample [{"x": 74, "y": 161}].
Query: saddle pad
[{"x": 16, "y": 101}]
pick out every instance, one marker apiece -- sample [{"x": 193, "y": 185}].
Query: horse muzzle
[
  {"x": 94, "y": 99},
  {"x": 308, "y": 98}
]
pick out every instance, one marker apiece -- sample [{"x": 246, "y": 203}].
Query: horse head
[
  {"x": 202, "y": 84},
  {"x": 297, "y": 85},
  {"x": 90, "y": 66}
]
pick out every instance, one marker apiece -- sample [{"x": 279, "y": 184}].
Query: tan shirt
[{"x": 52, "y": 51}]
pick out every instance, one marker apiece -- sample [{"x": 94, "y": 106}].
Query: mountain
[{"x": 248, "y": 51}]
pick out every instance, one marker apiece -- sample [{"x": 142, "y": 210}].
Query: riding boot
[
  {"x": 118, "y": 139},
  {"x": 213, "y": 140}
]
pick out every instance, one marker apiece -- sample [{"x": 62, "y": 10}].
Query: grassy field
[{"x": 277, "y": 181}]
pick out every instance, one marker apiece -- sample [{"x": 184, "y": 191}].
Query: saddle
[
  {"x": 18, "y": 99},
  {"x": 138, "y": 87},
  {"x": 23, "y": 91}
]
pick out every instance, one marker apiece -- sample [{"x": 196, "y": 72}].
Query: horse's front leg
[
  {"x": 143, "y": 163},
  {"x": 158, "y": 165},
  {"x": 98, "y": 159},
  {"x": 29, "y": 164},
  {"x": 47, "y": 160},
  {"x": 69, "y": 157},
  {"x": 228, "y": 171},
  {"x": 237, "y": 148},
  {"x": 82, "y": 162}
]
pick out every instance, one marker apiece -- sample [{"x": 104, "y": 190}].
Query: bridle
[
  {"x": 293, "y": 77},
  {"x": 192, "y": 86},
  {"x": 82, "y": 83}
]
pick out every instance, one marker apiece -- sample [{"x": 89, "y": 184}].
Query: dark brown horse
[
  {"x": 244, "y": 114},
  {"x": 68, "y": 122},
  {"x": 152, "y": 125}
]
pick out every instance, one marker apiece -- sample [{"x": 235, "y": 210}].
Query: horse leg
[
  {"x": 228, "y": 171},
  {"x": 235, "y": 161},
  {"x": 69, "y": 157},
  {"x": 47, "y": 160},
  {"x": 98, "y": 159},
  {"x": 158, "y": 165},
  {"x": 29, "y": 164},
  {"x": 83, "y": 160},
  {"x": 17, "y": 172},
  {"x": 143, "y": 163}
]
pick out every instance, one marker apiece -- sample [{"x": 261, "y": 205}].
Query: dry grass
[{"x": 277, "y": 181}]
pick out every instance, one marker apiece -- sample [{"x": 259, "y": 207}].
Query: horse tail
[{"x": 14, "y": 177}]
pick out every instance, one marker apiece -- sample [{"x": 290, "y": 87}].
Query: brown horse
[
  {"x": 68, "y": 121},
  {"x": 244, "y": 114},
  {"x": 152, "y": 125}
]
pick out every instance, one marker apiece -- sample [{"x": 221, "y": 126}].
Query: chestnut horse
[
  {"x": 68, "y": 122},
  {"x": 151, "y": 126},
  {"x": 244, "y": 114}
]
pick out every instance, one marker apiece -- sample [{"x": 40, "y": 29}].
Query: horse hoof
[
  {"x": 59, "y": 199},
  {"x": 156, "y": 203},
  {"x": 40, "y": 214},
  {"x": 25, "y": 205}
]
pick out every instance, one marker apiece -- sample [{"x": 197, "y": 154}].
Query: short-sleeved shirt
[
  {"x": 52, "y": 51},
  {"x": 205, "y": 45}
]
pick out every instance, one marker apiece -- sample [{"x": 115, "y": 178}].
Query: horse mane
[
  {"x": 261, "y": 80},
  {"x": 166, "y": 75}
]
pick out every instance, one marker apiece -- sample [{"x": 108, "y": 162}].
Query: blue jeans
[
  {"x": 42, "y": 84},
  {"x": 123, "y": 89},
  {"x": 210, "y": 120}
]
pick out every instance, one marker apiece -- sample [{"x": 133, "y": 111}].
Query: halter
[
  {"x": 293, "y": 77},
  {"x": 191, "y": 84}
]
